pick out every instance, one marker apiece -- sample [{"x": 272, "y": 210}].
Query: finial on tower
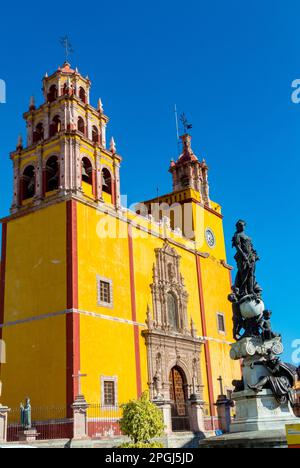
[
  {"x": 32, "y": 103},
  {"x": 100, "y": 106},
  {"x": 20, "y": 143},
  {"x": 113, "y": 148}
]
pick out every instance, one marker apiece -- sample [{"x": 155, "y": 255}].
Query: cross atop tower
[{"x": 65, "y": 42}]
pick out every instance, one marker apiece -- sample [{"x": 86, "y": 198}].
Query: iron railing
[
  {"x": 49, "y": 422},
  {"x": 54, "y": 423}
]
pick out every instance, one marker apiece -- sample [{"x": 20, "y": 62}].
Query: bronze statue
[
  {"x": 281, "y": 381},
  {"x": 246, "y": 258},
  {"x": 246, "y": 298},
  {"x": 266, "y": 327},
  {"x": 26, "y": 414}
]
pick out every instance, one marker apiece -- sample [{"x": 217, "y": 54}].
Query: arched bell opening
[
  {"x": 52, "y": 174},
  {"x": 106, "y": 185},
  {"x": 52, "y": 94},
  {"x": 82, "y": 94},
  {"x": 27, "y": 188},
  {"x": 87, "y": 177},
  {"x": 55, "y": 126},
  {"x": 95, "y": 134},
  {"x": 38, "y": 134},
  {"x": 80, "y": 125}
]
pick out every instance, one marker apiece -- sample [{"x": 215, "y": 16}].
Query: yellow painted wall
[
  {"x": 107, "y": 346},
  {"x": 36, "y": 363},
  {"x": 35, "y": 286}
]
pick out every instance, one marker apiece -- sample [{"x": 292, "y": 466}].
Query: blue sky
[{"x": 228, "y": 65}]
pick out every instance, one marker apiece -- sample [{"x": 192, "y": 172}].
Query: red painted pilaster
[
  {"x": 94, "y": 183},
  {"x": 2, "y": 277},
  {"x": 21, "y": 191},
  {"x": 113, "y": 191},
  {"x": 44, "y": 179},
  {"x": 206, "y": 345},
  {"x": 134, "y": 315},
  {"x": 72, "y": 318}
]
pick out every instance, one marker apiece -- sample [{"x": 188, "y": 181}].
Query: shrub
[
  {"x": 142, "y": 445},
  {"x": 142, "y": 421}
]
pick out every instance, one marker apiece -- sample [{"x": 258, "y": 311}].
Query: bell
[
  {"x": 31, "y": 185},
  {"x": 104, "y": 183},
  {"x": 83, "y": 172},
  {"x": 54, "y": 179}
]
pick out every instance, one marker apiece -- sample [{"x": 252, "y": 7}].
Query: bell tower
[
  {"x": 189, "y": 173},
  {"x": 65, "y": 151}
]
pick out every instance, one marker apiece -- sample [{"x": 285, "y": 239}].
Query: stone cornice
[
  {"x": 85, "y": 107},
  {"x": 171, "y": 337}
]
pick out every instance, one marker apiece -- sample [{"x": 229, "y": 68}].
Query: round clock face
[{"x": 210, "y": 238}]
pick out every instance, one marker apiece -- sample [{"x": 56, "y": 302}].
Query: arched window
[
  {"x": 95, "y": 134},
  {"x": 52, "y": 94},
  {"x": 38, "y": 134},
  {"x": 80, "y": 125},
  {"x": 106, "y": 181},
  {"x": 87, "y": 171},
  {"x": 172, "y": 311},
  {"x": 52, "y": 174},
  {"x": 55, "y": 127},
  {"x": 82, "y": 94},
  {"x": 28, "y": 183}
]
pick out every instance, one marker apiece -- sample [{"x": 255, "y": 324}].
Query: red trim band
[
  {"x": 206, "y": 344},
  {"x": 72, "y": 320},
  {"x": 134, "y": 315}
]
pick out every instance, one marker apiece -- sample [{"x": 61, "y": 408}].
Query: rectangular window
[
  {"x": 109, "y": 391},
  {"x": 104, "y": 292},
  {"x": 221, "y": 323}
]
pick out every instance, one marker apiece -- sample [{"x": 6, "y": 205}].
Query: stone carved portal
[{"x": 173, "y": 349}]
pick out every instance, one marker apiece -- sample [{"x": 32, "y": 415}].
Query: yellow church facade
[{"x": 135, "y": 301}]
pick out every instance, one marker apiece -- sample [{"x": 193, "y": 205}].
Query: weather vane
[
  {"x": 186, "y": 125},
  {"x": 65, "y": 42}
]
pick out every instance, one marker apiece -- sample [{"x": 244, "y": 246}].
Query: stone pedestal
[
  {"x": 80, "y": 407},
  {"x": 260, "y": 412},
  {"x": 28, "y": 435},
  {"x": 4, "y": 410},
  {"x": 224, "y": 406},
  {"x": 242, "y": 440},
  {"x": 196, "y": 415},
  {"x": 166, "y": 409}
]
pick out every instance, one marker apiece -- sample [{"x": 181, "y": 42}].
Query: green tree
[{"x": 142, "y": 421}]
